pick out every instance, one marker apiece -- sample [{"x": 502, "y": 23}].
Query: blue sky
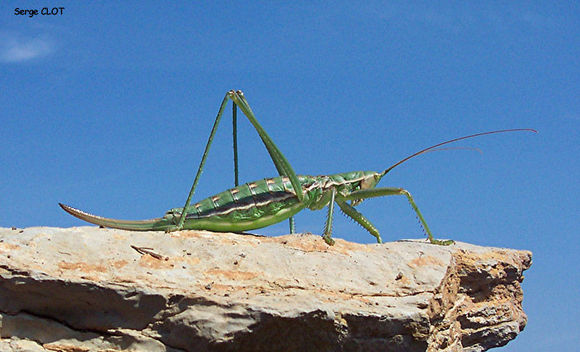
[{"x": 108, "y": 106}]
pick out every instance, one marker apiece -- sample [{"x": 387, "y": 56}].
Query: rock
[{"x": 87, "y": 289}]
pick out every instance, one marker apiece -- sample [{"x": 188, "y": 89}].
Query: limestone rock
[{"x": 89, "y": 289}]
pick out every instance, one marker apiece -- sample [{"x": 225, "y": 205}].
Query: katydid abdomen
[{"x": 247, "y": 207}]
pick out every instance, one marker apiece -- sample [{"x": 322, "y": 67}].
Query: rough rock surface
[{"x": 88, "y": 289}]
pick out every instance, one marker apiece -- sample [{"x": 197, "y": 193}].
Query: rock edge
[{"x": 86, "y": 289}]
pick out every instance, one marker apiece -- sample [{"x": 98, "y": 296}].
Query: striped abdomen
[{"x": 250, "y": 206}]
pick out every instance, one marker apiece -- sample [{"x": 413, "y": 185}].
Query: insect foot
[
  {"x": 328, "y": 240},
  {"x": 442, "y": 242}
]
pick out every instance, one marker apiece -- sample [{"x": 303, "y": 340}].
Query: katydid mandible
[{"x": 265, "y": 202}]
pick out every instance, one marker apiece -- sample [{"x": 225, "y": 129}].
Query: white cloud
[{"x": 18, "y": 49}]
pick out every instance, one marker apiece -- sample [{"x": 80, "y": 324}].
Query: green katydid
[{"x": 265, "y": 202}]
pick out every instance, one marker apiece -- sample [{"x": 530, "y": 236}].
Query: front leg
[
  {"x": 388, "y": 191},
  {"x": 423, "y": 222},
  {"x": 358, "y": 217}
]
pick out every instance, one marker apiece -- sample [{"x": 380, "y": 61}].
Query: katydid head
[
  {"x": 369, "y": 180},
  {"x": 431, "y": 148}
]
